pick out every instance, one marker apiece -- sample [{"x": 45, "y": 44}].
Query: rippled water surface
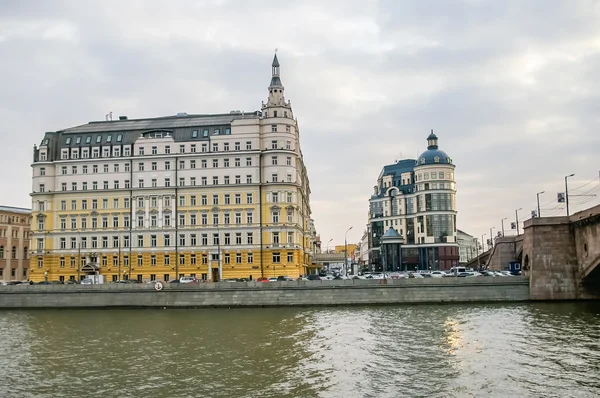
[{"x": 528, "y": 350}]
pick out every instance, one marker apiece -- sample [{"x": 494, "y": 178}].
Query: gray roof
[
  {"x": 276, "y": 82},
  {"x": 19, "y": 210},
  {"x": 182, "y": 127},
  {"x": 168, "y": 122},
  {"x": 391, "y": 233},
  {"x": 275, "y": 61}
]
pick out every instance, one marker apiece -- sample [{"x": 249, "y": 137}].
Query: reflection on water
[{"x": 526, "y": 350}]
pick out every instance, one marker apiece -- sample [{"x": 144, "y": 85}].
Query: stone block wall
[
  {"x": 550, "y": 259},
  {"x": 504, "y": 252},
  {"x": 253, "y": 294}
]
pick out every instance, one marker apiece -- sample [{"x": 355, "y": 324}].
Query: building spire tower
[{"x": 276, "y": 89}]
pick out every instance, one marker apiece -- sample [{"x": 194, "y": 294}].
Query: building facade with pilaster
[
  {"x": 15, "y": 236},
  {"x": 213, "y": 196}
]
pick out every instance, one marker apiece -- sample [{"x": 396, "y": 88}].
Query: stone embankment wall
[{"x": 256, "y": 294}]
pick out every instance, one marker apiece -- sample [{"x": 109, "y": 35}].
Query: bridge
[
  {"x": 561, "y": 255},
  {"x": 322, "y": 258}
]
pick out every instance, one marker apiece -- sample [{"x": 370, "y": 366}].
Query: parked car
[
  {"x": 284, "y": 278},
  {"x": 313, "y": 277},
  {"x": 187, "y": 279},
  {"x": 262, "y": 279},
  {"x": 87, "y": 281},
  {"x": 438, "y": 274}
]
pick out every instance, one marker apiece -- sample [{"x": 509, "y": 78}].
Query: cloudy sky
[{"x": 511, "y": 88}]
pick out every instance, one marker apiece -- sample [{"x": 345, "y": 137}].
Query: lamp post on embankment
[
  {"x": 482, "y": 250},
  {"x": 567, "y": 192},
  {"x": 539, "y": 214},
  {"x": 517, "y": 219},
  {"x": 346, "y": 251},
  {"x": 502, "y": 221}
]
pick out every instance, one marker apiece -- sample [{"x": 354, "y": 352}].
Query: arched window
[
  {"x": 1, "y": 251},
  {"x": 25, "y": 252},
  {"x": 436, "y": 159},
  {"x": 422, "y": 160},
  {"x": 14, "y": 252}
]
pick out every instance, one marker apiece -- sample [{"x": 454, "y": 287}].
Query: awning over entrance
[{"x": 90, "y": 267}]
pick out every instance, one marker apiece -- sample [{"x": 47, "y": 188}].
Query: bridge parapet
[{"x": 329, "y": 258}]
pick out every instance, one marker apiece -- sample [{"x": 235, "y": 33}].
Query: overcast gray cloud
[{"x": 510, "y": 87}]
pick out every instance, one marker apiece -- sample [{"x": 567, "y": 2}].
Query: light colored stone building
[
  {"x": 212, "y": 196},
  {"x": 418, "y": 199},
  {"x": 15, "y": 236},
  {"x": 467, "y": 247}
]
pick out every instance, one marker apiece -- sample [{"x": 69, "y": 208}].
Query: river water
[{"x": 520, "y": 350}]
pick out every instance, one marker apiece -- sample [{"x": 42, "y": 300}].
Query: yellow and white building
[{"x": 156, "y": 199}]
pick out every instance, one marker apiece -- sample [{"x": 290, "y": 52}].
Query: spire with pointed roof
[{"x": 275, "y": 79}]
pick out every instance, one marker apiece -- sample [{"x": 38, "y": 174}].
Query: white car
[
  {"x": 438, "y": 274},
  {"x": 187, "y": 279},
  {"x": 87, "y": 281}
]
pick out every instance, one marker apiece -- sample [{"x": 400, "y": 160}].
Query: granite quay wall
[{"x": 272, "y": 294}]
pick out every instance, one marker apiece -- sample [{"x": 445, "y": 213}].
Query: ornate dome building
[{"x": 418, "y": 199}]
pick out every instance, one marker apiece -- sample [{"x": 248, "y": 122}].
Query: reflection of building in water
[{"x": 417, "y": 198}]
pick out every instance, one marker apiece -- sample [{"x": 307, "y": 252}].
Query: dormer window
[
  {"x": 98, "y": 139},
  {"x": 227, "y": 131},
  {"x": 78, "y": 141},
  {"x": 205, "y": 133},
  {"x": 109, "y": 138},
  {"x": 436, "y": 159},
  {"x": 217, "y": 131},
  {"x": 119, "y": 137},
  {"x": 195, "y": 134},
  {"x": 422, "y": 160},
  {"x": 68, "y": 141}
]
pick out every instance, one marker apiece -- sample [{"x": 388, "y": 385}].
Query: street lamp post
[
  {"x": 346, "y": 251},
  {"x": 539, "y": 214},
  {"x": 327, "y": 251},
  {"x": 517, "y": 218},
  {"x": 119, "y": 259},
  {"x": 482, "y": 250},
  {"x": 567, "y": 192},
  {"x": 79, "y": 261},
  {"x": 502, "y": 221},
  {"x": 492, "y": 236}
]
